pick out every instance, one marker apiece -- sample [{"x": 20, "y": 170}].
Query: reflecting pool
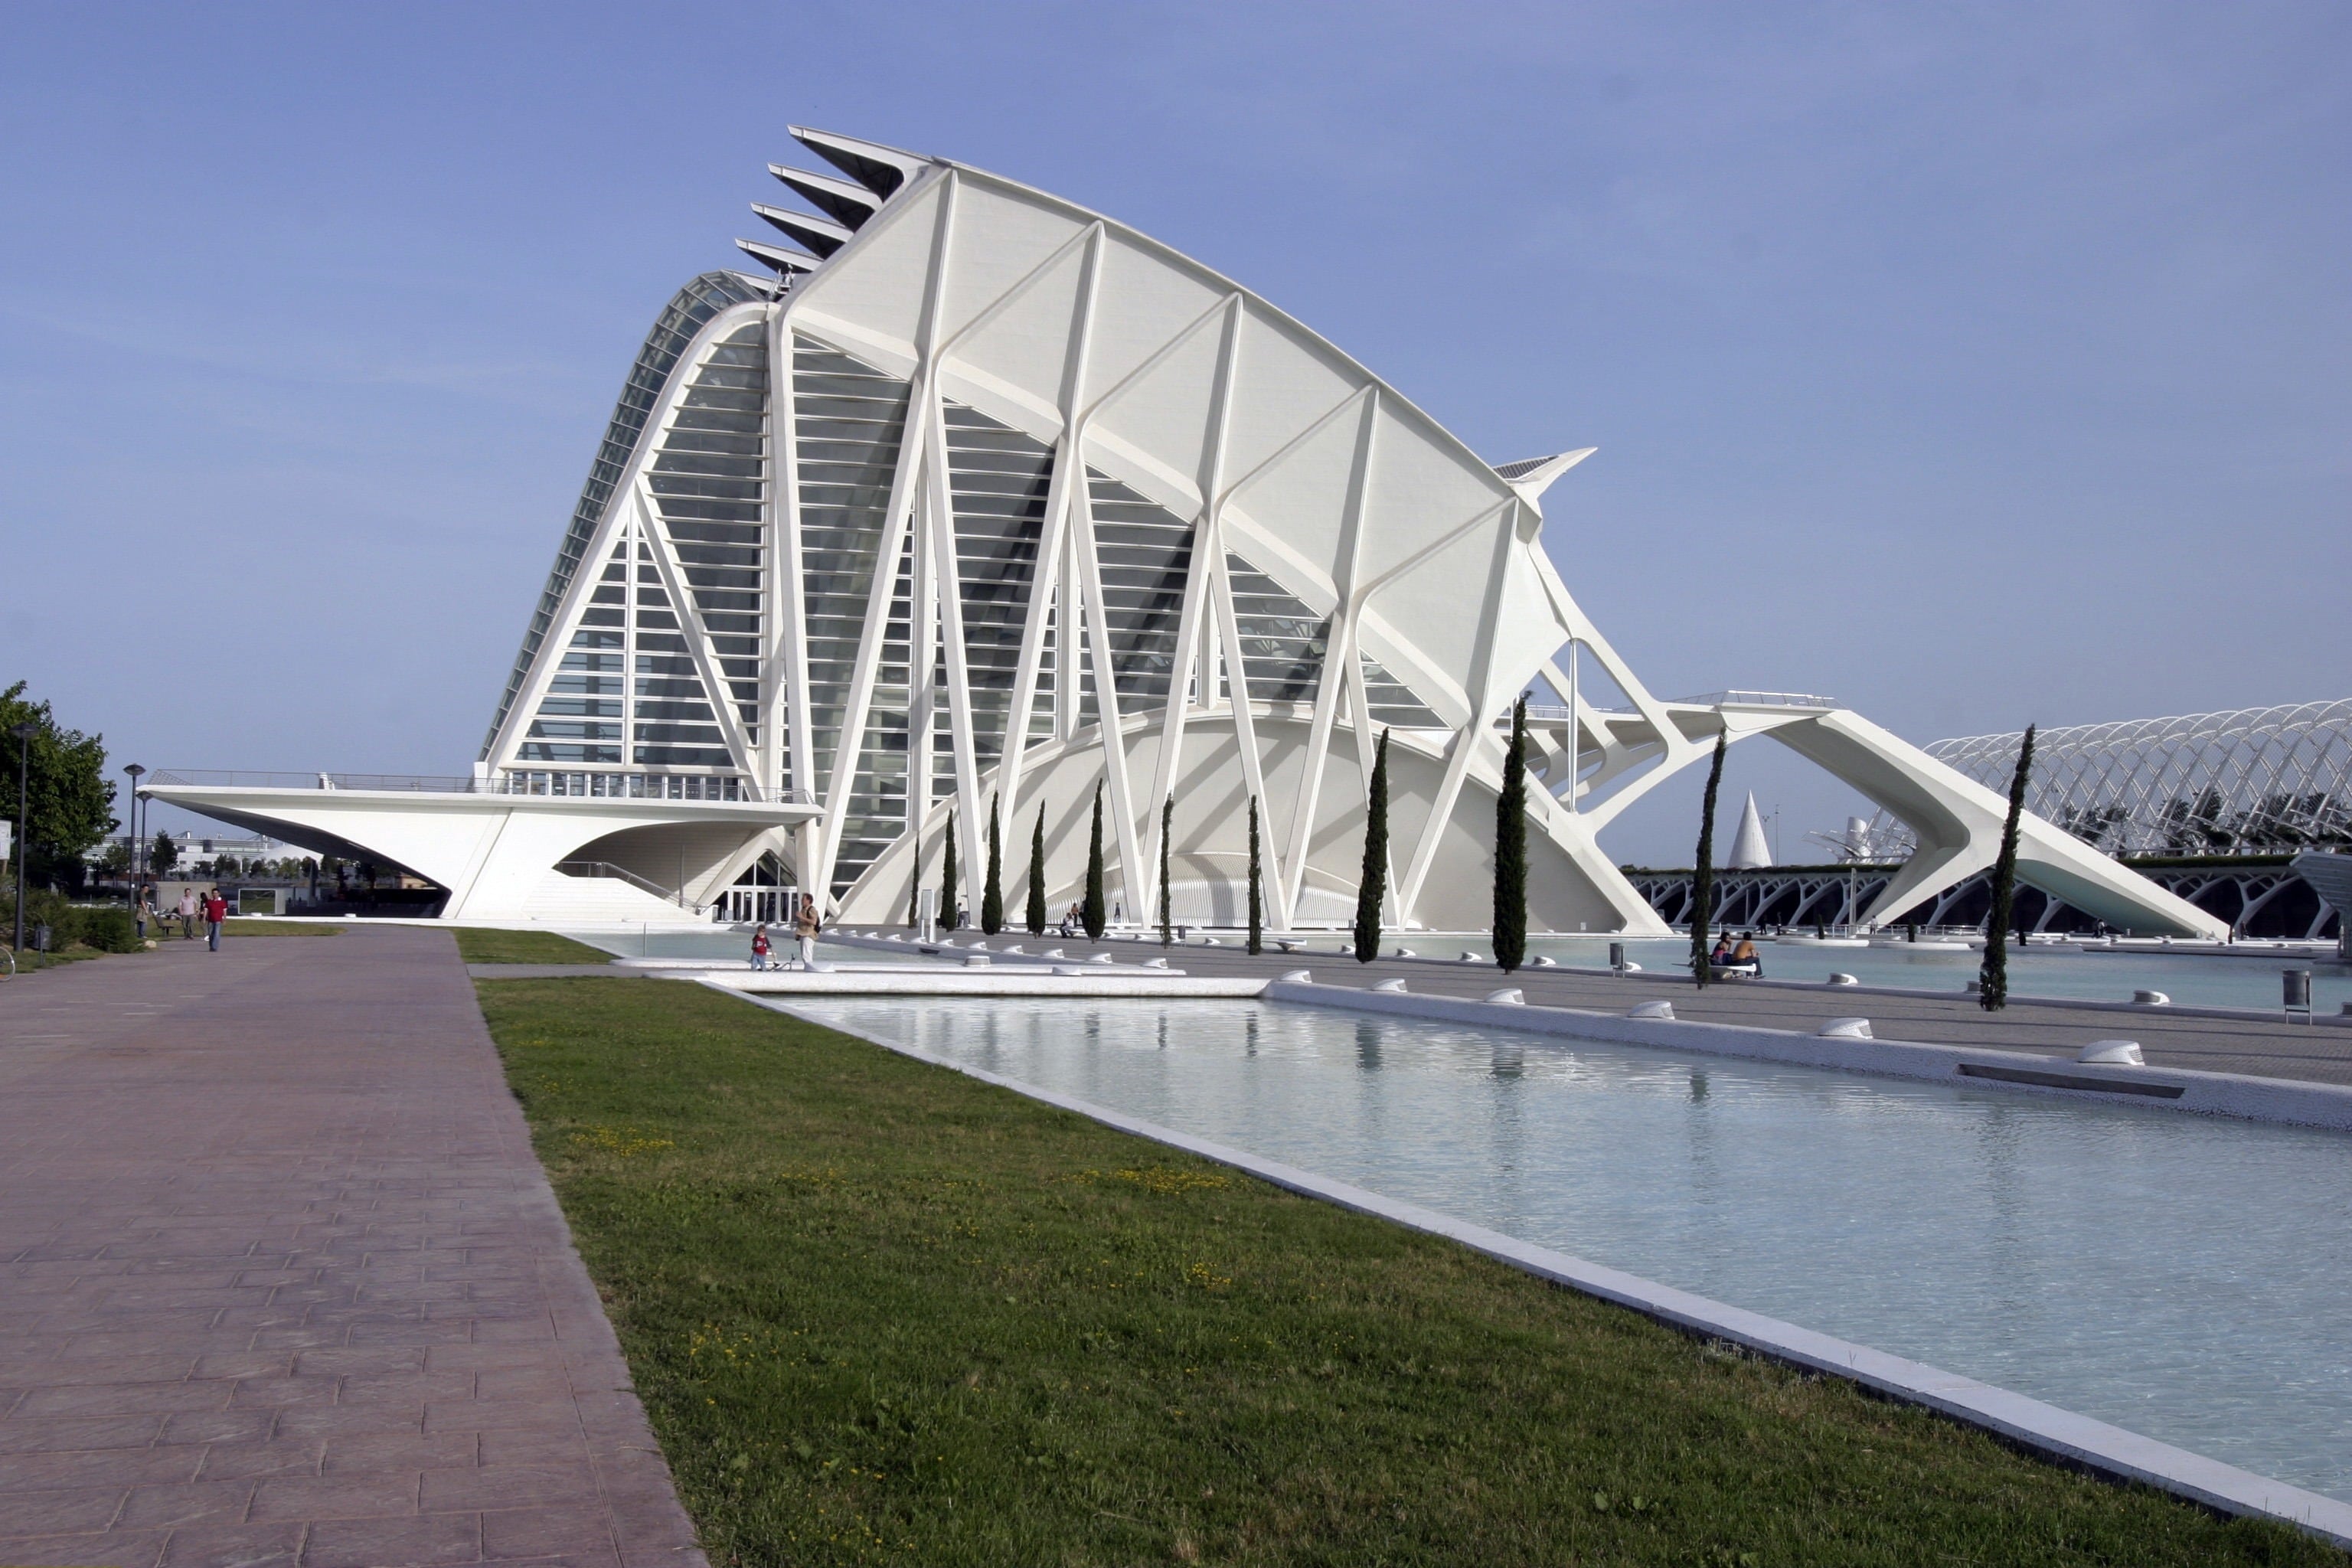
[{"x": 2177, "y": 1275}]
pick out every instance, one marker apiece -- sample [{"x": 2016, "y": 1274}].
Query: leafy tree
[
  {"x": 68, "y": 800},
  {"x": 115, "y": 858},
  {"x": 992, "y": 897},
  {"x": 1037, "y": 910},
  {"x": 947, "y": 880},
  {"x": 1167, "y": 832},
  {"x": 164, "y": 856},
  {"x": 1703, "y": 877},
  {"x": 1992, "y": 990},
  {"x": 1373, "y": 886},
  {"x": 1256, "y": 885},
  {"x": 1095, "y": 913},
  {"x": 915, "y": 882},
  {"x": 1511, "y": 848}
]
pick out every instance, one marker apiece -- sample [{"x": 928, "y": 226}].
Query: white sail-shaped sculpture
[{"x": 1749, "y": 850}]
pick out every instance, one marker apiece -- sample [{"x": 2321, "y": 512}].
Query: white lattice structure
[
  {"x": 986, "y": 501},
  {"x": 2255, "y": 781}
]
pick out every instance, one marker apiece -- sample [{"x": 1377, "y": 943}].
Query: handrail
[
  {"x": 623, "y": 874},
  {"x": 502, "y": 783}
]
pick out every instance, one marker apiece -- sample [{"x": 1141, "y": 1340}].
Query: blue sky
[{"x": 1974, "y": 364}]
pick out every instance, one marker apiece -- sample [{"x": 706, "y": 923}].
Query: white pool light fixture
[
  {"x": 1652, "y": 1010},
  {"x": 2112, "y": 1053},
  {"x": 1846, "y": 1029}
]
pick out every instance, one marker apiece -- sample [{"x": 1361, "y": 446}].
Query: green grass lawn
[
  {"x": 479, "y": 946},
  {"x": 239, "y": 927},
  {"x": 880, "y": 1312}
]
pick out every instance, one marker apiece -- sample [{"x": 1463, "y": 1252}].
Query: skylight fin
[
  {"x": 820, "y": 235},
  {"x": 837, "y": 199},
  {"x": 882, "y": 170},
  {"x": 783, "y": 261}
]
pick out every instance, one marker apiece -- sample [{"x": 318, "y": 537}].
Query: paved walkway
[
  {"x": 284, "y": 1283},
  {"x": 2264, "y": 1048}
]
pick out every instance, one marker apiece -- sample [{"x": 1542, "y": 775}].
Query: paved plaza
[{"x": 285, "y": 1283}]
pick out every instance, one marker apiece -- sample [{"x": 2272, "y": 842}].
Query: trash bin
[
  {"x": 1617, "y": 956},
  {"x": 2295, "y": 989},
  {"x": 40, "y": 938}
]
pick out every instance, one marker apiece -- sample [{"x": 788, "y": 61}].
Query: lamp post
[
  {"x": 138, "y": 858},
  {"x": 24, "y": 733}
]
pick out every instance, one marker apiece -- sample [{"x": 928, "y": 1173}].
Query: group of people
[
  {"x": 1743, "y": 955},
  {"x": 806, "y": 924},
  {"x": 208, "y": 906}
]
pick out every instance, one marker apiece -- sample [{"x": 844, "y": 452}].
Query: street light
[
  {"x": 24, "y": 733},
  {"x": 138, "y": 882}
]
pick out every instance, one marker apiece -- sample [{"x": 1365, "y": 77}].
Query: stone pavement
[{"x": 285, "y": 1284}]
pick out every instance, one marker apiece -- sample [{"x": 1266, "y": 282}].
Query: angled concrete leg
[{"x": 1958, "y": 825}]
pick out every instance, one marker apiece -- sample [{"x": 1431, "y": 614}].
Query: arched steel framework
[{"x": 2254, "y": 781}]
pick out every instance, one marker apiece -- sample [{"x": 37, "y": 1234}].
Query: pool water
[
  {"x": 2252, "y": 980},
  {"x": 2178, "y": 1276}
]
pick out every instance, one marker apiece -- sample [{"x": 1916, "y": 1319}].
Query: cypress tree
[
  {"x": 1372, "y": 888},
  {"x": 947, "y": 880},
  {"x": 1167, "y": 832},
  {"x": 1256, "y": 897},
  {"x": 1703, "y": 878},
  {"x": 991, "y": 898},
  {"x": 1511, "y": 848},
  {"x": 1992, "y": 991},
  {"x": 1037, "y": 911},
  {"x": 1094, "y": 913}
]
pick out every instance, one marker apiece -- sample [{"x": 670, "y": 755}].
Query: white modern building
[{"x": 976, "y": 502}]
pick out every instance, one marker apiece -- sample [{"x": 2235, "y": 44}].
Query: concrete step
[{"x": 559, "y": 900}]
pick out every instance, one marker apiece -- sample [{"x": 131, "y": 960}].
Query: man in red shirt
[{"x": 215, "y": 911}]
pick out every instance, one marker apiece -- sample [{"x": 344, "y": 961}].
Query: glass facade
[{"x": 673, "y": 329}]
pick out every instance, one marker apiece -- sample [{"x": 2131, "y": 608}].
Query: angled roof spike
[
  {"x": 781, "y": 259},
  {"x": 879, "y": 169},
  {"x": 1533, "y": 476},
  {"x": 820, "y": 235},
  {"x": 837, "y": 199}
]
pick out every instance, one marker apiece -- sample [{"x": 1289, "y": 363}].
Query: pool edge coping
[{"x": 2097, "y": 1446}]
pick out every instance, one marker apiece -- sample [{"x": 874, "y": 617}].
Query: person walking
[
  {"x": 215, "y": 911},
  {"x": 145, "y": 900},
  {"x": 760, "y": 947},
  {"x": 187, "y": 914},
  {"x": 806, "y": 925}
]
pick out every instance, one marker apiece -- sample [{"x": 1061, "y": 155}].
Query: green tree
[
  {"x": 1095, "y": 912},
  {"x": 1167, "y": 832},
  {"x": 1511, "y": 848},
  {"x": 164, "y": 856},
  {"x": 1373, "y": 886},
  {"x": 915, "y": 882},
  {"x": 992, "y": 897},
  {"x": 68, "y": 800},
  {"x": 1703, "y": 877},
  {"x": 1992, "y": 989},
  {"x": 947, "y": 880},
  {"x": 1037, "y": 910},
  {"x": 1256, "y": 887}
]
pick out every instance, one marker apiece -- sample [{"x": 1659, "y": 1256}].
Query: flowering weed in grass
[{"x": 879, "y": 1313}]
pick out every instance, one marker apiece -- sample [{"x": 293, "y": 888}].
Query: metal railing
[
  {"x": 542, "y": 781},
  {"x": 1756, "y": 700},
  {"x": 239, "y": 779},
  {"x": 623, "y": 874}
]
